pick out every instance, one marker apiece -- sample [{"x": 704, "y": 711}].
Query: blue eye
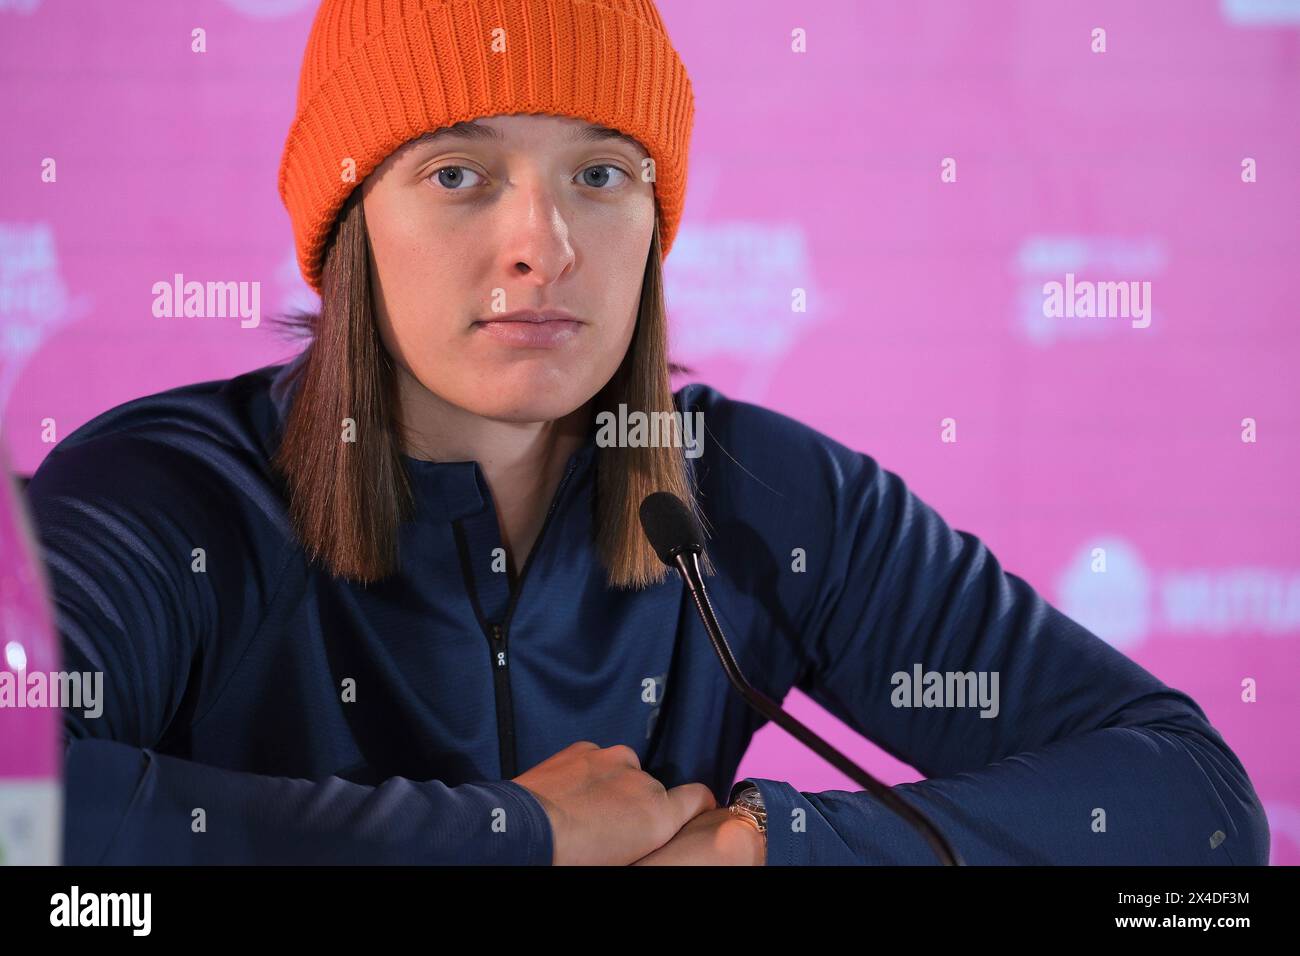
[
  {"x": 600, "y": 181},
  {"x": 453, "y": 182}
]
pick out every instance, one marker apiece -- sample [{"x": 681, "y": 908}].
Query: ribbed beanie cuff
[{"x": 377, "y": 73}]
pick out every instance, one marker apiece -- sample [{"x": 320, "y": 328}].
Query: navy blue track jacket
[{"x": 224, "y": 688}]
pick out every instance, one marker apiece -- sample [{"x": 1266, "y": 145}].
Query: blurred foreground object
[{"x": 31, "y": 796}]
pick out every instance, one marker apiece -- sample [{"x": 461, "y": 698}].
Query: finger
[
  {"x": 625, "y": 755},
  {"x": 688, "y": 800}
]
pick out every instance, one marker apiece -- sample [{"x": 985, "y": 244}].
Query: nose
[{"x": 537, "y": 243}]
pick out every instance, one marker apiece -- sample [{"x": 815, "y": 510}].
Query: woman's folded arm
[
  {"x": 1043, "y": 744},
  {"x": 129, "y": 805},
  {"x": 119, "y": 520}
]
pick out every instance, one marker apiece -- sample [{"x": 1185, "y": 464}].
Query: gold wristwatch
[{"x": 749, "y": 804}]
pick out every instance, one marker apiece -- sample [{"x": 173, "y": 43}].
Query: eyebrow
[{"x": 467, "y": 129}]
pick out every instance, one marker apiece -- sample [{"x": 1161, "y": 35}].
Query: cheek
[
  {"x": 417, "y": 311},
  {"x": 420, "y": 291},
  {"x": 405, "y": 266},
  {"x": 626, "y": 274},
  {"x": 619, "y": 260}
]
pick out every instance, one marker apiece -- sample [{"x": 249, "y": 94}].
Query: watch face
[{"x": 751, "y": 801}]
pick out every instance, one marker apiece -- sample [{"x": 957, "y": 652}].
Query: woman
[{"x": 390, "y": 601}]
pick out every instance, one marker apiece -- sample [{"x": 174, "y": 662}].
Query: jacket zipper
[
  {"x": 505, "y": 708},
  {"x": 497, "y": 640}
]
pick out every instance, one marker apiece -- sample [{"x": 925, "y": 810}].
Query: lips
[
  {"x": 547, "y": 329},
  {"x": 532, "y": 316}
]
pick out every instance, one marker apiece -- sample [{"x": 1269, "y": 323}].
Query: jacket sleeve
[
  {"x": 126, "y": 804},
  {"x": 1088, "y": 758},
  {"x": 129, "y": 605}
]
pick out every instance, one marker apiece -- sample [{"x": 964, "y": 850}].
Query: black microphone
[{"x": 678, "y": 539}]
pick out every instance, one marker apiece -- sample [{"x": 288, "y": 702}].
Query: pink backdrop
[{"x": 819, "y": 170}]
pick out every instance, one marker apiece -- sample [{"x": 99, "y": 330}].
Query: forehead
[{"x": 474, "y": 130}]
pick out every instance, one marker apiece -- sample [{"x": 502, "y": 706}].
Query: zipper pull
[{"x": 501, "y": 651}]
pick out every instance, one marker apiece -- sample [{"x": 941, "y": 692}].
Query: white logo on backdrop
[
  {"x": 1114, "y": 604},
  {"x": 730, "y": 289},
  {"x": 34, "y": 299},
  {"x": 1125, "y": 603}
]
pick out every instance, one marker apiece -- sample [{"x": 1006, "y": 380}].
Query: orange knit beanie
[{"x": 377, "y": 73}]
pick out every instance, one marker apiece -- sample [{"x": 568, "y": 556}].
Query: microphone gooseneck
[{"x": 678, "y": 540}]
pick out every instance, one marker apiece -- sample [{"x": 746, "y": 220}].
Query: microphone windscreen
[{"x": 670, "y": 526}]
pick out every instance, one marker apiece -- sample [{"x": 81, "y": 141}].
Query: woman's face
[{"x": 527, "y": 213}]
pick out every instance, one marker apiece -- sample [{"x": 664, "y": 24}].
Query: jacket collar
[{"x": 458, "y": 488}]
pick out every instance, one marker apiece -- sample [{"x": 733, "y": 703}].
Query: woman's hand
[
  {"x": 604, "y": 809},
  {"x": 713, "y": 838}
]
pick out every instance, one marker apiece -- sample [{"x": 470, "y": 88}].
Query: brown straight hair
[{"x": 348, "y": 498}]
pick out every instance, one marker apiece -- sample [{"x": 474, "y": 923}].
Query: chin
[
  {"x": 528, "y": 405},
  {"x": 533, "y": 393}
]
